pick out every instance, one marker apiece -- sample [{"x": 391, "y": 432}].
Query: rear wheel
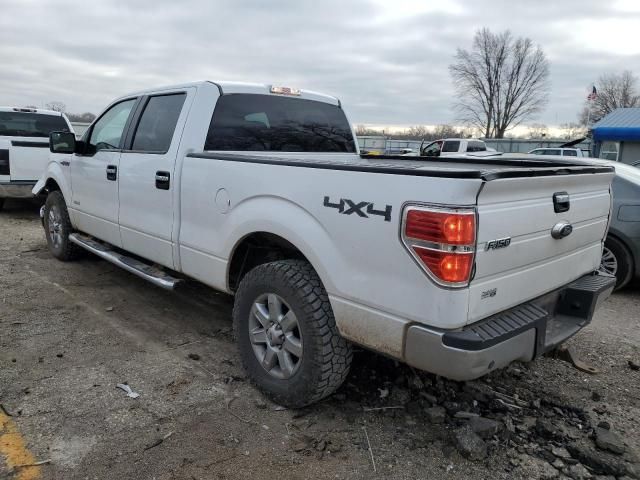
[
  {"x": 617, "y": 261},
  {"x": 57, "y": 228},
  {"x": 286, "y": 334},
  {"x": 1, "y": 203}
]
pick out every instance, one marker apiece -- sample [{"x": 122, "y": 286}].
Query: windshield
[
  {"x": 24, "y": 124},
  {"x": 252, "y": 122}
]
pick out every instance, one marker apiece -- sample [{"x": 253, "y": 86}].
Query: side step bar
[{"x": 141, "y": 269}]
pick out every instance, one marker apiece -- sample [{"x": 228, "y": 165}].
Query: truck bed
[{"x": 482, "y": 168}]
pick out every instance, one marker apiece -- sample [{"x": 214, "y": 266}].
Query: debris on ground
[
  {"x": 127, "y": 389},
  {"x": 470, "y": 445},
  {"x": 541, "y": 433},
  {"x": 634, "y": 365},
  {"x": 194, "y": 356},
  {"x": 607, "y": 440},
  {"x": 157, "y": 442}
]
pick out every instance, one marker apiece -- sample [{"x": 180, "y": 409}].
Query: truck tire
[
  {"x": 617, "y": 261},
  {"x": 1, "y": 204},
  {"x": 57, "y": 228},
  {"x": 287, "y": 335}
]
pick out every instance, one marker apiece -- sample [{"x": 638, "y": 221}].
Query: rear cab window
[
  {"x": 569, "y": 153},
  {"x": 28, "y": 124},
  {"x": 256, "y": 122}
]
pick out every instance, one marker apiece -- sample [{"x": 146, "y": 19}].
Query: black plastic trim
[
  {"x": 498, "y": 328},
  {"x": 5, "y": 167},
  {"x": 328, "y": 165},
  {"x": 20, "y": 143},
  {"x": 18, "y": 182},
  {"x": 376, "y": 164},
  {"x": 574, "y": 307}
]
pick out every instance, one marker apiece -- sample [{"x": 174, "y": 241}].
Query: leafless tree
[
  {"x": 613, "y": 91},
  {"x": 500, "y": 82},
  {"x": 363, "y": 130},
  {"x": 56, "y": 106},
  {"x": 572, "y": 130},
  {"x": 86, "y": 117},
  {"x": 538, "y": 130}
]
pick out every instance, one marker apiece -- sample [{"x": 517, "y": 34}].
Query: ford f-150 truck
[
  {"x": 454, "y": 266},
  {"x": 24, "y": 148}
]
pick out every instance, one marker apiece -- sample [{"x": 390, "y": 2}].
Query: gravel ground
[{"x": 71, "y": 331}]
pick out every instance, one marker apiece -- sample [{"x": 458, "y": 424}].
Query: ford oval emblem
[{"x": 561, "y": 230}]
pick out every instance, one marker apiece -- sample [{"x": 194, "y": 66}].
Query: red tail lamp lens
[
  {"x": 450, "y": 267},
  {"x": 441, "y": 227}
]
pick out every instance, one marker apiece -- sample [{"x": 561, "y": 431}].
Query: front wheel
[
  {"x": 617, "y": 261},
  {"x": 57, "y": 227},
  {"x": 287, "y": 335}
]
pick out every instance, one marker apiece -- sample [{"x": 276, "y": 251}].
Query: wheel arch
[
  {"x": 257, "y": 248},
  {"x": 627, "y": 243}
]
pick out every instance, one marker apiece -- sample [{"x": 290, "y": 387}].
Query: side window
[
  {"x": 451, "y": 146},
  {"x": 476, "y": 147},
  {"x": 108, "y": 130},
  {"x": 551, "y": 151},
  {"x": 158, "y": 122},
  {"x": 569, "y": 153},
  {"x": 537, "y": 152},
  {"x": 432, "y": 150}
]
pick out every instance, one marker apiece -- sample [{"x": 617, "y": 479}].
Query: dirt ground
[{"x": 69, "y": 332}]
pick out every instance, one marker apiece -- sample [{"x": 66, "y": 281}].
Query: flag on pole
[{"x": 593, "y": 94}]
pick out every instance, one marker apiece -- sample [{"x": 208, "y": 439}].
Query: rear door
[
  {"x": 147, "y": 176},
  {"x": 517, "y": 257}
]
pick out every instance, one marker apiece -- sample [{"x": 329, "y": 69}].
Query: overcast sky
[{"x": 385, "y": 59}]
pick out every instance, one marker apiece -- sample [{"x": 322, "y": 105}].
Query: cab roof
[
  {"x": 30, "y": 110},
  {"x": 228, "y": 87}
]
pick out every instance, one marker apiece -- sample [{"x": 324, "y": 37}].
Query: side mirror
[{"x": 62, "y": 142}]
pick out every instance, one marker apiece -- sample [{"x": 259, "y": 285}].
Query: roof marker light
[{"x": 285, "y": 90}]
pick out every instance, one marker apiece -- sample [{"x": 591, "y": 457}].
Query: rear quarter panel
[{"x": 361, "y": 260}]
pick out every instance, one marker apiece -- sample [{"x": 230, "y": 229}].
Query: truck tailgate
[
  {"x": 533, "y": 262},
  {"x": 28, "y": 157}
]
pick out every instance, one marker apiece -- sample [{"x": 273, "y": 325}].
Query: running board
[{"x": 150, "y": 273}]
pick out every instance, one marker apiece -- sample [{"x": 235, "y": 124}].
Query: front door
[
  {"x": 94, "y": 175},
  {"x": 147, "y": 177}
]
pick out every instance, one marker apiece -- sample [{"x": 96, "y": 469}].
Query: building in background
[{"x": 617, "y": 136}]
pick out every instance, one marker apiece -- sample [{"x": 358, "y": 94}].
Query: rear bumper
[
  {"x": 521, "y": 333},
  {"x": 16, "y": 189}
]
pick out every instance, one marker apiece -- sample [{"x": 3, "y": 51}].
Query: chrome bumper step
[{"x": 143, "y": 270}]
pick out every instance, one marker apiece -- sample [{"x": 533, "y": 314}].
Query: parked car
[
  {"x": 259, "y": 191},
  {"x": 448, "y": 147},
  {"x": 563, "y": 152},
  {"x": 621, "y": 254},
  {"x": 24, "y": 148}
]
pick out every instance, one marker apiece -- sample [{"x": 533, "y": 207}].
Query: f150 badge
[
  {"x": 498, "y": 243},
  {"x": 362, "y": 209}
]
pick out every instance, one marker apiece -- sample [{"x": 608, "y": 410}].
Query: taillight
[{"x": 442, "y": 241}]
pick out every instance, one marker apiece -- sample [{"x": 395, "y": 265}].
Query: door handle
[
  {"x": 163, "y": 180},
  {"x": 112, "y": 172}
]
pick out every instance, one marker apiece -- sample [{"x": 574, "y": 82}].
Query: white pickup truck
[
  {"x": 24, "y": 148},
  {"x": 450, "y": 147},
  {"x": 454, "y": 266}
]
